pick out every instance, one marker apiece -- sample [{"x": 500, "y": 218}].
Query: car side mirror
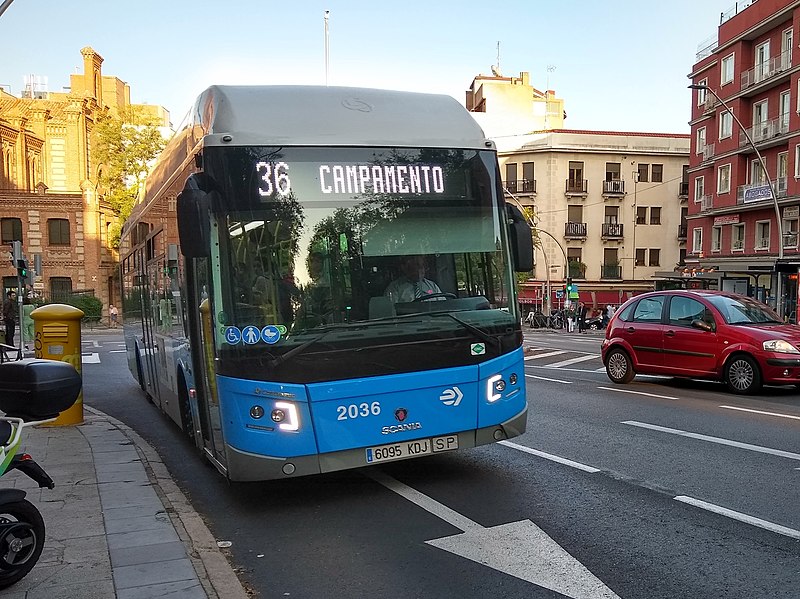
[{"x": 703, "y": 325}]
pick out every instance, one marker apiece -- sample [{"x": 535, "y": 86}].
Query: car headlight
[{"x": 780, "y": 346}]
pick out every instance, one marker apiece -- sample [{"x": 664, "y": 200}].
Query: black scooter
[{"x": 32, "y": 391}]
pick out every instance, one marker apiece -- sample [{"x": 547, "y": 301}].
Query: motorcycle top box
[{"x": 35, "y": 389}]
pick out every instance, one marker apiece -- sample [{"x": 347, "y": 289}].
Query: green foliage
[
  {"x": 124, "y": 148},
  {"x": 91, "y": 306}
]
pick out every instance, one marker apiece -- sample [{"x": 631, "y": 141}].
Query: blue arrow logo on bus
[{"x": 451, "y": 397}]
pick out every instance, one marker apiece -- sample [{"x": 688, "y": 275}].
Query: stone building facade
[{"x": 49, "y": 198}]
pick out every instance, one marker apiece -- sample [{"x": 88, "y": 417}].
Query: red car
[{"x": 702, "y": 334}]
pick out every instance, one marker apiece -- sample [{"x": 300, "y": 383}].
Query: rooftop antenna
[
  {"x": 550, "y": 69},
  {"x": 496, "y": 66},
  {"x": 327, "y": 36}
]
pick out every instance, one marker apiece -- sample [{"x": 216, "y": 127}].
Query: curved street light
[{"x": 760, "y": 160}]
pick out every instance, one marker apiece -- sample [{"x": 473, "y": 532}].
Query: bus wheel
[{"x": 187, "y": 422}]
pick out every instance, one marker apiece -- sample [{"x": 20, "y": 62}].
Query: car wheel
[
  {"x": 619, "y": 367},
  {"x": 594, "y": 326},
  {"x": 742, "y": 375}
]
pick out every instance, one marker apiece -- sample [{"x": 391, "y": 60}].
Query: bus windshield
[{"x": 323, "y": 252}]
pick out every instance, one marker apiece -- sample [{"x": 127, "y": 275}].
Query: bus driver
[{"x": 411, "y": 284}]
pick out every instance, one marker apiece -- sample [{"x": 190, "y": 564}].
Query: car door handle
[
  {"x": 631, "y": 329},
  {"x": 669, "y": 334}
]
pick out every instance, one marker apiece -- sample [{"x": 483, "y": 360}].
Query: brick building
[
  {"x": 49, "y": 196},
  {"x": 746, "y": 112}
]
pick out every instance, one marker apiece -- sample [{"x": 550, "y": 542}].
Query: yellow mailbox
[{"x": 57, "y": 336}]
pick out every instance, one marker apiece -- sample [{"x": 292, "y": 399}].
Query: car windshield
[{"x": 744, "y": 310}]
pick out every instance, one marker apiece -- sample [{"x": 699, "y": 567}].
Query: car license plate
[{"x": 408, "y": 449}]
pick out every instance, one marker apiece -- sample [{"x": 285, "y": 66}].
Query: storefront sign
[
  {"x": 791, "y": 212},
  {"x": 730, "y": 219}
]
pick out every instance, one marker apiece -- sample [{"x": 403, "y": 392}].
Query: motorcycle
[{"x": 32, "y": 391}]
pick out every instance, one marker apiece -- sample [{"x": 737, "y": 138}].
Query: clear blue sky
[{"x": 619, "y": 65}]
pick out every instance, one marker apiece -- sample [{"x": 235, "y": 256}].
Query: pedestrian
[
  {"x": 113, "y": 312},
  {"x": 10, "y": 316},
  {"x": 582, "y": 309},
  {"x": 570, "y": 318}
]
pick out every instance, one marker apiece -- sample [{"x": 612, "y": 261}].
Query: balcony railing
[
  {"x": 615, "y": 187},
  {"x": 779, "y": 185},
  {"x": 577, "y": 187},
  {"x": 574, "y": 229},
  {"x": 790, "y": 240},
  {"x": 762, "y": 243},
  {"x": 612, "y": 230},
  {"x": 708, "y": 152},
  {"x": 610, "y": 271},
  {"x": 766, "y": 130},
  {"x": 764, "y": 70},
  {"x": 682, "y": 231},
  {"x": 577, "y": 270},
  {"x": 716, "y": 246},
  {"x": 683, "y": 190},
  {"x": 738, "y": 244},
  {"x": 706, "y": 203},
  {"x": 521, "y": 186}
]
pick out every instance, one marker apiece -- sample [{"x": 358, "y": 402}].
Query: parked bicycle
[{"x": 32, "y": 392}]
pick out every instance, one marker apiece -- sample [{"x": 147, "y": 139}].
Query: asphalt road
[{"x": 650, "y": 490}]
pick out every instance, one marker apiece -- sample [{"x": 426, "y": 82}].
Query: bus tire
[{"x": 187, "y": 421}]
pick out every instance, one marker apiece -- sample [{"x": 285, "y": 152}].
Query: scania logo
[
  {"x": 399, "y": 428},
  {"x": 400, "y": 414}
]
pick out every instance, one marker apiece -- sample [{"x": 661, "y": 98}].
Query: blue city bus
[{"x": 266, "y": 271}]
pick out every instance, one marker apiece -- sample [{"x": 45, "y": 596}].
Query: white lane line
[
  {"x": 550, "y": 456},
  {"x": 779, "y": 415},
  {"x": 117, "y": 351},
  {"x": 638, "y": 393},
  {"x": 544, "y": 378},
  {"x": 545, "y": 355},
  {"x": 719, "y": 440},
  {"x": 765, "y": 524},
  {"x": 572, "y": 361},
  {"x": 92, "y": 358}
]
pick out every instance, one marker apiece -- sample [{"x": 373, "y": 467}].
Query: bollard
[{"x": 57, "y": 336}]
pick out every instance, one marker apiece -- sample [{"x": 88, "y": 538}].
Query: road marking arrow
[{"x": 520, "y": 549}]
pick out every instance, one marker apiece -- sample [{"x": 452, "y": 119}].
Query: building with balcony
[
  {"x": 49, "y": 196},
  {"x": 745, "y": 114},
  {"x": 610, "y": 209}
]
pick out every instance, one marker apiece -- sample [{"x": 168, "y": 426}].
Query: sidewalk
[{"x": 117, "y": 525}]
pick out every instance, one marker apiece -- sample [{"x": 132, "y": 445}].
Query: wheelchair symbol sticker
[
  {"x": 233, "y": 335},
  {"x": 271, "y": 334}
]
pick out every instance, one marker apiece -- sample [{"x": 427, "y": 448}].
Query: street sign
[
  {"x": 559, "y": 294},
  {"x": 756, "y": 194}
]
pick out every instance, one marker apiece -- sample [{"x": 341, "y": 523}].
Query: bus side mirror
[
  {"x": 193, "y": 220},
  {"x": 521, "y": 240}
]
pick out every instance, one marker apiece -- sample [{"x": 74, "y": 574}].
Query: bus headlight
[
  {"x": 285, "y": 416},
  {"x": 494, "y": 385}
]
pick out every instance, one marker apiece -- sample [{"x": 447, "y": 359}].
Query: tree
[{"x": 125, "y": 146}]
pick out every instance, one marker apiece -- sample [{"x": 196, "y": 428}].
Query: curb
[{"x": 212, "y": 567}]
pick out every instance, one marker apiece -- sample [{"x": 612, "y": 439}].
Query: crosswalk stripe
[
  {"x": 573, "y": 361},
  {"x": 545, "y": 355}
]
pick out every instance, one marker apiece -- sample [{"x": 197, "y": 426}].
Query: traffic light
[
  {"x": 22, "y": 268},
  {"x": 570, "y": 285}
]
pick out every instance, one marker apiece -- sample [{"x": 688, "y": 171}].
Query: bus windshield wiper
[{"x": 479, "y": 333}]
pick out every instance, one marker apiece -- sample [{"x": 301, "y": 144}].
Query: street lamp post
[{"x": 760, "y": 161}]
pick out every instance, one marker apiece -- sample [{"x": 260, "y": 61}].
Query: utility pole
[{"x": 327, "y": 43}]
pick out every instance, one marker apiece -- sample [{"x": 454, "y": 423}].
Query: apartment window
[
  {"x": 737, "y": 237},
  {"x": 654, "y": 258},
  {"x": 716, "y": 239},
  {"x": 641, "y": 215},
  {"x": 757, "y": 174},
  {"x": 576, "y": 172},
  {"x": 60, "y": 288},
  {"x": 797, "y": 161},
  {"x": 790, "y": 230},
  {"x": 527, "y": 171},
  {"x": 724, "y": 178},
  {"x": 725, "y": 124},
  {"x": 511, "y": 173},
  {"x": 655, "y": 215},
  {"x": 575, "y": 214},
  {"x": 612, "y": 215},
  {"x": 574, "y": 255},
  {"x": 701, "y": 93},
  {"x": 762, "y": 235},
  {"x": 697, "y": 240},
  {"x": 699, "y": 189},
  {"x": 726, "y": 70},
  {"x": 10, "y": 230},
  {"x": 682, "y": 257},
  {"x": 657, "y": 173},
  {"x": 644, "y": 171},
  {"x": 701, "y": 138},
  {"x": 58, "y": 231},
  {"x": 640, "y": 253}
]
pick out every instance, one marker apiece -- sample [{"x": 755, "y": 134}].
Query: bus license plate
[{"x": 407, "y": 449}]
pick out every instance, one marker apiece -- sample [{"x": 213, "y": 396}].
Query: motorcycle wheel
[{"x": 21, "y": 540}]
